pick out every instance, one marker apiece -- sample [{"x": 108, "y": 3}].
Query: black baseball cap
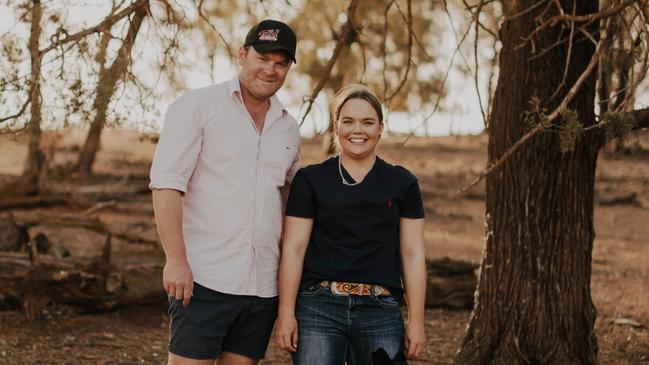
[{"x": 272, "y": 35}]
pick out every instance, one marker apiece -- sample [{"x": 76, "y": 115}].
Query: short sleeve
[
  {"x": 179, "y": 146},
  {"x": 295, "y": 165},
  {"x": 301, "y": 199},
  {"x": 412, "y": 205}
]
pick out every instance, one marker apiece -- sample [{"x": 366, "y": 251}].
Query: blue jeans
[{"x": 333, "y": 329}]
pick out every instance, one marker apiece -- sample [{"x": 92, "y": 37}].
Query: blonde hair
[{"x": 356, "y": 91}]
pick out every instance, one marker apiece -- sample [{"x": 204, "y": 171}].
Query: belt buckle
[{"x": 346, "y": 289}]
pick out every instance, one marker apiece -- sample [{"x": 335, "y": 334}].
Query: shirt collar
[{"x": 276, "y": 106}]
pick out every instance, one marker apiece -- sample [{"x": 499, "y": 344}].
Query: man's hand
[
  {"x": 178, "y": 280},
  {"x": 286, "y": 333},
  {"x": 415, "y": 339}
]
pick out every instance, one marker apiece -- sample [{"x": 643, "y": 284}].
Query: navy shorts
[{"x": 215, "y": 322}]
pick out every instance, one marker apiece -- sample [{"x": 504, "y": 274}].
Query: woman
[{"x": 354, "y": 224}]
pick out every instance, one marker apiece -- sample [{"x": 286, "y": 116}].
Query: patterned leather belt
[{"x": 342, "y": 288}]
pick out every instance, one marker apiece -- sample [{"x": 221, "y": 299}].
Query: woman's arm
[
  {"x": 413, "y": 260},
  {"x": 297, "y": 232}
]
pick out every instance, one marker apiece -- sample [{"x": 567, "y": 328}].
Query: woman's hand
[
  {"x": 415, "y": 339},
  {"x": 286, "y": 333}
]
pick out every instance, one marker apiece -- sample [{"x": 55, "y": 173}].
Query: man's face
[{"x": 262, "y": 74}]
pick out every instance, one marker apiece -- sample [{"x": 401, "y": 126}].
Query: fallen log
[
  {"x": 34, "y": 279},
  {"x": 617, "y": 199},
  {"x": 39, "y": 201},
  {"x": 12, "y": 237},
  {"x": 92, "y": 286},
  {"x": 42, "y": 272},
  {"x": 451, "y": 284}
]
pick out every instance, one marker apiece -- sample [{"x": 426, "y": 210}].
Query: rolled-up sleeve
[{"x": 179, "y": 145}]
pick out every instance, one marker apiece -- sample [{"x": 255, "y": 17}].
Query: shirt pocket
[{"x": 280, "y": 157}]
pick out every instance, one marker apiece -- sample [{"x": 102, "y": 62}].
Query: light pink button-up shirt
[{"x": 231, "y": 175}]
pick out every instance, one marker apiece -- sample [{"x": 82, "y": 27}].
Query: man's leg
[
  {"x": 197, "y": 331},
  {"x": 248, "y": 336},
  {"x": 226, "y": 358},
  {"x": 179, "y": 360},
  {"x": 230, "y": 358}
]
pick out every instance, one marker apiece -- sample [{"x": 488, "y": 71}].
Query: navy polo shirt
[{"x": 355, "y": 236}]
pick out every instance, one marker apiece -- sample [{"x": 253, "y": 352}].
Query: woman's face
[{"x": 358, "y": 128}]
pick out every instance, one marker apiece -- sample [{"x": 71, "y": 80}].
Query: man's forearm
[{"x": 167, "y": 205}]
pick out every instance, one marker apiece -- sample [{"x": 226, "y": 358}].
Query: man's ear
[{"x": 241, "y": 55}]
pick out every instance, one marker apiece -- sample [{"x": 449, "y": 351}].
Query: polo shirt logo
[
  {"x": 389, "y": 203},
  {"x": 269, "y": 35}
]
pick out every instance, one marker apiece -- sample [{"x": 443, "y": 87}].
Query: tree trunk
[
  {"x": 533, "y": 302},
  {"x": 35, "y": 163},
  {"x": 105, "y": 90}
]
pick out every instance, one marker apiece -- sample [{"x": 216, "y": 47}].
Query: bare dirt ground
[{"x": 138, "y": 334}]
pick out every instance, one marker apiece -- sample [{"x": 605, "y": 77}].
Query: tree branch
[
  {"x": 460, "y": 41},
  {"x": 545, "y": 123},
  {"x": 107, "y": 23},
  {"x": 19, "y": 113},
  {"x": 613, "y": 10},
  {"x": 225, "y": 42},
  {"x": 475, "y": 59},
  {"x": 409, "y": 61},
  {"x": 345, "y": 40},
  {"x": 591, "y": 17}
]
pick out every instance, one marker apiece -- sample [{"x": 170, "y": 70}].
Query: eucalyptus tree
[{"x": 533, "y": 302}]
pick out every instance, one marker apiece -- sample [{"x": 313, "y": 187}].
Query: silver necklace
[{"x": 342, "y": 177}]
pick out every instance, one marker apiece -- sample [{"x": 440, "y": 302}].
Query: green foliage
[
  {"x": 617, "y": 124},
  {"x": 571, "y": 131}
]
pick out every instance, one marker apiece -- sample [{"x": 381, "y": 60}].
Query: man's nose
[{"x": 269, "y": 69}]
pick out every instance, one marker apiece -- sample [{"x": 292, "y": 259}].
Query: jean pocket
[
  {"x": 312, "y": 291},
  {"x": 386, "y": 301}
]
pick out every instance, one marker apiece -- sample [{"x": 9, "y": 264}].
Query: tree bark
[
  {"x": 34, "y": 165},
  {"x": 533, "y": 302},
  {"x": 105, "y": 90}
]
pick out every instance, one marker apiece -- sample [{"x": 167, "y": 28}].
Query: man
[{"x": 225, "y": 158}]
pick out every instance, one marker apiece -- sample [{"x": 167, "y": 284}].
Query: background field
[{"x": 454, "y": 228}]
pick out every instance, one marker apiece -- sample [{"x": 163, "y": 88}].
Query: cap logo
[{"x": 269, "y": 35}]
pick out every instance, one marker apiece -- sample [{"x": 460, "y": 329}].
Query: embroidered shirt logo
[
  {"x": 389, "y": 203},
  {"x": 269, "y": 35}
]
